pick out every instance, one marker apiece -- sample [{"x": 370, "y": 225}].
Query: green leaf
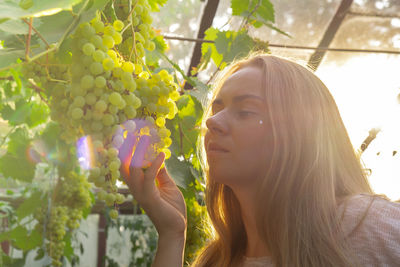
[
  {"x": 200, "y": 92},
  {"x": 17, "y": 167},
  {"x": 179, "y": 171},
  {"x": 30, "y": 205},
  {"x": 24, "y": 241},
  {"x": 9, "y": 56},
  {"x": 239, "y": 6},
  {"x": 68, "y": 250},
  {"x": 38, "y": 115},
  {"x": 232, "y": 45},
  {"x": 19, "y": 114},
  {"x": 211, "y": 34},
  {"x": 16, "y": 163},
  {"x": 155, "y": 4},
  {"x": 12, "y": 10}
]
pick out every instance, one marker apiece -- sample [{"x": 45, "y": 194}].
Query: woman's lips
[{"x": 214, "y": 147}]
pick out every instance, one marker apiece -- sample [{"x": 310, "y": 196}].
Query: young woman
[{"x": 284, "y": 184}]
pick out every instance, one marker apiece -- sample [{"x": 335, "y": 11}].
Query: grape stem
[
  {"x": 246, "y": 20},
  {"x": 5, "y": 137},
  {"x": 38, "y": 90},
  {"x": 28, "y": 41},
  {"x": 36, "y": 31},
  {"x": 133, "y": 35},
  {"x": 74, "y": 22}
]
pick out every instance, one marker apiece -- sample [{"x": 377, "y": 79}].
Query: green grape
[
  {"x": 87, "y": 81},
  {"x": 160, "y": 121},
  {"x": 96, "y": 126},
  {"x": 118, "y": 25},
  {"x": 96, "y": 68},
  {"x": 87, "y": 30},
  {"x": 77, "y": 113},
  {"x": 121, "y": 104},
  {"x": 150, "y": 119},
  {"x": 115, "y": 98},
  {"x": 119, "y": 199},
  {"x": 98, "y": 91},
  {"x": 112, "y": 54},
  {"x": 138, "y": 9},
  {"x": 98, "y": 25},
  {"x": 100, "y": 81},
  {"x": 117, "y": 72},
  {"x": 167, "y": 141},
  {"x": 138, "y": 68},
  {"x": 128, "y": 67},
  {"x": 108, "y": 119},
  {"x": 151, "y": 46},
  {"x": 98, "y": 56},
  {"x": 155, "y": 90},
  {"x": 101, "y": 106},
  {"x": 112, "y": 153},
  {"x": 88, "y": 49},
  {"x": 151, "y": 107},
  {"x": 113, "y": 214},
  {"x": 64, "y": 103},
  {"x": 109, "y": 30},
  {"x": 110, "y": 199},
  {"x": 117, "y": 37},
  {"x": 108, "y": 64},
  {"x": 112, "y": 109},
  {"x": 136, "y": 102},
  {"x": 108, "y": 41},
  {"x": 79, "y": 101},
  {"x": 164, "y": 132},
  {"x": 130, "y": 112},
  {"x": 114, "y": 165},
  {"x": 101, "y": 195}
]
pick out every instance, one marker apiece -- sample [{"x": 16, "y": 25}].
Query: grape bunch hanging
[{"x": 106, "y": 95}]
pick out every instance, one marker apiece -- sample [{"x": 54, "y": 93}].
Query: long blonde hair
[{"x": 313, "y": 168}]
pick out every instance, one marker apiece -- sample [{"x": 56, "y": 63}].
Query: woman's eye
[{"x": 244, "y": 114}]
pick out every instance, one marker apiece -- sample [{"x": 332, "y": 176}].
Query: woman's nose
[{"x": 217, "y": 124}]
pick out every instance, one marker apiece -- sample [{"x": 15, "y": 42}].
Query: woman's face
[{"x": 238, "y": 139}]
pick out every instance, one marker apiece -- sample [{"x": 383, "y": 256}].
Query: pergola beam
[
  {"x": 206, "y": 22},
  {"x": 330, "y": 33}
]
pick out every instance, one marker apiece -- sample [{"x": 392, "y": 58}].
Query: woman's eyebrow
[{"x": 239, "y": 98}]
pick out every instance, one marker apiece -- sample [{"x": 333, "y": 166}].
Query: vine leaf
[
  {"x": 261, "y": 10},
  {"x": 30, "y": 205},
  {"x": 15, "y": 162},
  {"x": 9, "y": 56},
  {"x": 12, "y": 9},
  {"x": 155, "y": 4},
  {"x": 179, "y": 171}
]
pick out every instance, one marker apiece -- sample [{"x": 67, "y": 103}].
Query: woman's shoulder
[
  {"x": 371, "y": 212},
  {"x": 371, "y": 224}
]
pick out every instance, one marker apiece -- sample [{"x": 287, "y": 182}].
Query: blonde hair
[{"x": 313, "y": 168}]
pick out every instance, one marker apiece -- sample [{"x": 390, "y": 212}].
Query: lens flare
[
  {"x": 85, "y": 152},
  {"x": 37, "y": 151}
]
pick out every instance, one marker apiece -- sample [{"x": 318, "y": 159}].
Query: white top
[{"x": 376, "y": 240}]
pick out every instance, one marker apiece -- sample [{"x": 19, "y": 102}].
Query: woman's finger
[
  {"x": 163, "y": 178},
  {"x": 152, "y": 171},
  {"x": 125, "y": 153}
]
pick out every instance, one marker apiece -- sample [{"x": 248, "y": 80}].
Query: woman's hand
[{"x": 164, "y": 204}]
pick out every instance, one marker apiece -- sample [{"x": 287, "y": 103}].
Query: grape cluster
[
  {"x": 138, "y": 34},
  {"x": 70, "y": 197},
  {"x": 105, "y": 98},
  {"x": 47, "y": 73}
]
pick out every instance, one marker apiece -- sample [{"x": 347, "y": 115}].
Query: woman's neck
[{"x": 255, "y": 246}]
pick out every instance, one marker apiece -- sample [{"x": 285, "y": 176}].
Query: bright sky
[{"x": 365, "y": 89}]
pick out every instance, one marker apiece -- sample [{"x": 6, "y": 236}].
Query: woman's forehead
[{"x": 246, "y": 80}]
